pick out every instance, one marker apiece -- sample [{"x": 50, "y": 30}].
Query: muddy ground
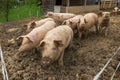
[{"x": 82, "y": 61}]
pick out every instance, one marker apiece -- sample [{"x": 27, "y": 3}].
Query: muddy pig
[
  {"x": 35, "y": 24},
  {"x": 104, "y": 21},
  {"x": 73, "y": 22},
  {"x": 59, "y": 17},
  {"x": 86, "y": 22},
  {"x": 54, "y": 44},
  {"x": 32, "y": 39}
]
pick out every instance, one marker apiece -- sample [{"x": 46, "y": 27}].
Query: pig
[
  {"x": 32, "y": 39},
  {"x": 86, "y": 22},
  {"x": 35, "y": 24},
  {"x": 73, "y": 22},
  {"x": 54, "y": 44},
  {"x": 115, "y": 11},
  {"x": 104, "y": 21},
  {"x": 59, "y": 17}
]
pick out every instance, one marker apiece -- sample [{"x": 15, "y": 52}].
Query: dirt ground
[{"x": 82, "y": 61}]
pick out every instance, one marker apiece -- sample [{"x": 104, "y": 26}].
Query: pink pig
[
  {"x": 35, "y": 24},
  {"x": 59, "y": 17},
  {"x": 32, "y": 39},
  {"x": 86, "y": 22},
  {"x": 73, "y": 22},
  {"x": 54, "y": 44},
  {"x": 104, "y": 21}
]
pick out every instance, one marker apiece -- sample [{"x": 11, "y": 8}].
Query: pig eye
[{"x": 54, "y": 48}]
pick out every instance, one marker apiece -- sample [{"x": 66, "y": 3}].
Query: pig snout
[
  {"x": 45, "y": 62},
  {"x": 106, "y": 16},
  {"x": 82, "y": 25},
  {"x": 19, "y": 42}
]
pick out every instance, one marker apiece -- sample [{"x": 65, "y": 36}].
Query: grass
[{"x": 23, "y": 11}]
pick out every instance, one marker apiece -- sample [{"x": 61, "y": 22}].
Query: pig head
[
  {"x": 30, "y": 26},
  {"x": 50, "y": 51},
  {"x": 104, "y": 21},
  {"x": 27, "y": 43}
]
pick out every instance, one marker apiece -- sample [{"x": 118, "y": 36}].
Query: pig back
[
  {"x": 62, "y": 16},
  {"x": 42, "y": 21},
  {"x": 63, "y": 32},
  {"x": 77, "y": 17},
  {"x": 37, "y": 34},
  {"x": 66, "y": 16}
]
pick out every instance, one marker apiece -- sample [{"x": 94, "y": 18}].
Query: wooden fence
[{"x": 108, "y": 4}]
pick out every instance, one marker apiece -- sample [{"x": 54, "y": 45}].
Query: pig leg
[
  {"x": 80, "y": 35},
  {"x": 96, "y": 26},
  {"x": 103, "y": 31},
  {"x": 86, "y": 33},
  {"x": 70, "y": 46},
  {"x": 100, "y": 29},
  {"x": 60, "y": 61},
  {"x": 106, "y": 31},
  {"x": 78, "y": 32}
]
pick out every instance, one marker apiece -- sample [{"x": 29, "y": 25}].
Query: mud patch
[{"x": 82, "y": 60}]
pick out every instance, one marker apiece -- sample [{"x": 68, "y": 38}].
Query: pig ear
[
  {"x": 70, "y": 22},
  {"x": 33, "y": 24},
  {"x": 64, "y": 22},
  {"x": 25, "y": 25},
  {"x": 58, "y": 43},
  {"x": 50, "y": 13},
  {"x": 20, "y": 38},
  {"x": 100, "y": 13},
  {"x": 30, "y": 39},
  {"x": 42, "y": 44}
]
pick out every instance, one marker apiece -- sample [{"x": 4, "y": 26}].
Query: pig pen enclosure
[{"x": 82, "y": 61}]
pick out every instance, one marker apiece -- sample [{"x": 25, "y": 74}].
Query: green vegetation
[{"x": 21, "y": 12}]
